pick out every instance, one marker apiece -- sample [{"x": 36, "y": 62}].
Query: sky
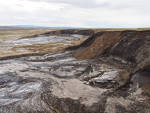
[{"x": 76, "y": 13}]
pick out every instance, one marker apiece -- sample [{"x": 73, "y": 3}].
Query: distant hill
[
  {"x": 23, "y": 26},
  {"x": 33, "y": 26}
]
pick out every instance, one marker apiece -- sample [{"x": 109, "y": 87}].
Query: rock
[
  {"x": 111, "y": 79},
  {"x": 141, "y": 80},
  {"x": 105, "y": 76}
]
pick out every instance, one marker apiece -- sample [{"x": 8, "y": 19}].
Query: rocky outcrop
[{"x": 107, "y": 73}]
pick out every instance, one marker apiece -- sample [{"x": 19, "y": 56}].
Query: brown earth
[{"x": 102, "y": 42}]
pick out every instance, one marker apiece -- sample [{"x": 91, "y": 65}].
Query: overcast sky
[{"x": 76, "y": 13}]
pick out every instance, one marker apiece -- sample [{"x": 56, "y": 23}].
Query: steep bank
[
  {"x": 130, "y": 46},
  {"x": 107, "y": 72}
]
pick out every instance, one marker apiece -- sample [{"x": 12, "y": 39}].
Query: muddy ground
[{"x": 76, "y": 71}]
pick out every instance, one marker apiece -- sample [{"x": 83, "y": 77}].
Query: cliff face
[
  {"x": 100, "y": 44},
  {"x": 130, "y": 46},
  {"x": 108, "y": 72}
]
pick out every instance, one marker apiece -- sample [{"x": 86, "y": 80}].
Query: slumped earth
[{"x": 76, "y": 71}]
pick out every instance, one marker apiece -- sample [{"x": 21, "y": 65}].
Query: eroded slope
[{"x": 107, "y": 73}]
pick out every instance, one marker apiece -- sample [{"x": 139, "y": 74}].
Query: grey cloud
[
  {"x": 114, "y": 4},
  {"x": 111, "y": 4},
  {"x": 81, "y": 13},
  {"x": 77, "y": 3}
]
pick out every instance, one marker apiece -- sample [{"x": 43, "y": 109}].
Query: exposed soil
[{"x": 76, "y": 71}]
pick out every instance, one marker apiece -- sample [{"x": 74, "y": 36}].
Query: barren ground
[{"x": 74, "y": 71}]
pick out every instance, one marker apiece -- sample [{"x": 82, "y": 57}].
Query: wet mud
[{"x": 96, "y": 76}]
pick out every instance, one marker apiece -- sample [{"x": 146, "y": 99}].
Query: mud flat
[{"x": 77, "y": 71}]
